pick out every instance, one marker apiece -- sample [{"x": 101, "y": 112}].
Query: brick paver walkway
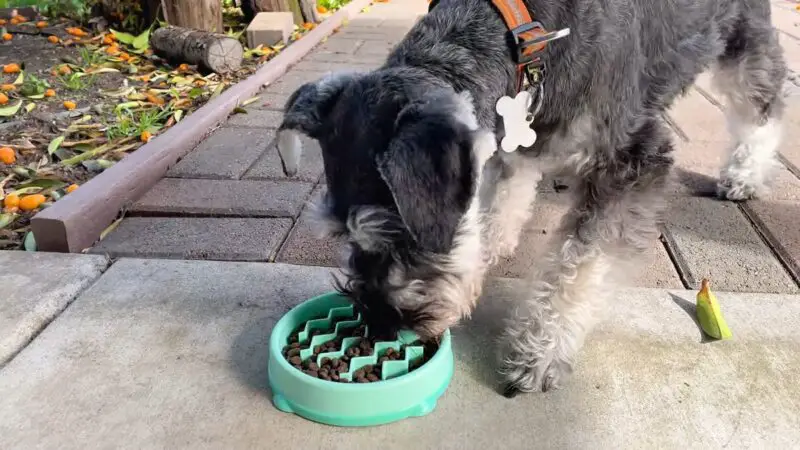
[{"x": 229, "y": 200}]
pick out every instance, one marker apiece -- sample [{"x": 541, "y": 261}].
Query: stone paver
[
  {"x": 256, "y": 118},
  {"x": 235, "y": 239},
  {"x": 303, "y": 247},
  {"x": 779, "y": 222},
  {"x": 293, "y": 80},
  {"x": 173, "y": 354},
  {"x": 227, "y": 153},
  {"x": 225, "y": 198},
  {"x": 718, "y": 242},
  {"x": 36, "y": 288},
  {"x": 269, "y": 166}
]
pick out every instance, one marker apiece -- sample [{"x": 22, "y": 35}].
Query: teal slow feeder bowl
[{"x": 398, "y": 395}]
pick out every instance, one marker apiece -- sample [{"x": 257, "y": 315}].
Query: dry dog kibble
[{"x": 333, "y": 369}]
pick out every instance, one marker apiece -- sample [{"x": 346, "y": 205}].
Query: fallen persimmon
[
  {"x": 8, "y": 37},
  {"x": 11, "y": 201},
  {"x": 146, "y": 136},
  {"x": 70, "y": 105},
  {"x": 7, "y": 87},
  {"x": 7, "y": 155},
  {"x": 11, "y": 68},
  {"x": 31, "y": 202},
  {"x": 50, "y": 93},
  {"x": 3, "y": 99},
  {"x": 71, "y": 188},
  {"x": 53, "y": 39}
]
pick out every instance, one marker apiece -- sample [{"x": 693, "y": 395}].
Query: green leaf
[
  {"x": 125, "y": 38},
  {"x": 110, "y": 228},
  {"x": 250, "y": 100},
  {"x": 142, "y": 41},
  {"x": 239, "y": 110},
  {"x": 97, "y": 165},
  {"x": 28, "y": 190},
  {"x": 178, "y": 115},
  {"x": 217, "y": 90},
  {"x": 36, "y": 97},
  {"x": 54, "y": 144},
  {"x": 20, "y": 79},
  {"x": 9, "y": 111},
  {"x": 123, "y": 92},
  {"x": 195, "y": 92},
  {"x": 42, "y": 183},
  {"x": 30, "y": 242},
  {"x": 24, "y": 172},
  {"x": 30, "y": 106},
  {"x": 100, "y": 70},
  {"x": 7, "y": 219}
]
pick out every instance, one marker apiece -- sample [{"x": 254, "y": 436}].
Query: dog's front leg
[
  {"x": 508, "y": 193},
  {"x": 604, "y": 231}
]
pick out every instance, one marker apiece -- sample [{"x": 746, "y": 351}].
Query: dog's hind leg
[
  {"x": 507, "y": 196},
  {"x": 612, "y": 222},
  {"x": 750, "y": 75}
]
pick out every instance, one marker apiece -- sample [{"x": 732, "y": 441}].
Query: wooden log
[
  {"x": 203, "y": 15},
  {"x": 212, "y": 51}
]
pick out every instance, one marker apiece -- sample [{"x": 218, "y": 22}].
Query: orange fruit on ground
[
  {"x": 31, "y": 202},
  {"x": 124, "y": 56},
  {"x": 11, "y": 68},
  {"x": 7, "y": 155},
  {"x": 64, "y": 70},
  {"x": 3, "y": 99},
  {"x": 183, "y": 68},
  {"x": 71, "y": 188},
  {"x": 11, "y": 201},
  {"x": 7, "y": 37},
  {"x": 7, "y": 87},
  {"x": 11, "y": 210},
  {"x": 146, "y": 136},
  {"x": 21, "y": 18},
  {"x": 69, "y": 105},
  {"x": 50, "y": 93},
  {"x": 308, "y": 25},
  {"x": 112, "y": 50},
  {"x": 321, "y": 9},
  {"x": 53, "y": 39},
  {"x": 41, "y": 24},
  {"x": 3, "y": 21}
]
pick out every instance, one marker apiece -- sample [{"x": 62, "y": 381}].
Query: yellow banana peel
[{"x": 709, "y": 314}]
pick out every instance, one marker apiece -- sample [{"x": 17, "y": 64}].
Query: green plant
[
  {"x": 90, "y": 58},
  {"x": 129, "y": 123},
  {"x": 33, "y": 86},
  {"x": 76, "y": 81},
  {"x": 76, "y": 9},
  {"x": 332, "y": 5}
]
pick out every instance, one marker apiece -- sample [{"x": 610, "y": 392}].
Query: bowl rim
[{"x": 275, "y": 352}]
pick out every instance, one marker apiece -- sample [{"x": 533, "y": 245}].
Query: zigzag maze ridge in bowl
[{"x": 338, "y": 348}]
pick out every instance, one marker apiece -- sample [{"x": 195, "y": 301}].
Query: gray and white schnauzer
[{"x": 426, "y": 203}]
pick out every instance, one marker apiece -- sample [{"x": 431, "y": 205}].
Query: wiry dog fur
[{"x": 425, "y": 204}]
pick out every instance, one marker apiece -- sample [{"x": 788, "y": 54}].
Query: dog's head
[{"x": 402, "y": 160}]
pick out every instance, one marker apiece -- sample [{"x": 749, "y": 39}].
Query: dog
[{"x": 425, "y": 203}]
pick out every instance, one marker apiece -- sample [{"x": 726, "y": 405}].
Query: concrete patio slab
[
  {"x": 178, "y": 196},
  {"x": 36, "y": 288},
  {"x": 158, "y": 354},
  {"x": 232, "y": 239}
]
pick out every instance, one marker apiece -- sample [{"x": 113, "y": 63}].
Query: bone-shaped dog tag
[{"x": 516, "y": 122}]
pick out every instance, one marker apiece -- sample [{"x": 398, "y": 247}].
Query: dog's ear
[
  {"x": 429, "y": 169},
  {"x": 305, "y": 114}
]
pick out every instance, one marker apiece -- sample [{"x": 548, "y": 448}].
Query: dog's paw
[
  {"x": 540, "y": 375},
  {"x": 737, "y": 190}
]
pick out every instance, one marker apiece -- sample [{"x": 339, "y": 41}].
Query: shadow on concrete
[
  {"x": 698, "y": 184},
  {"x": 249, "y": 354},
  {"x": 475, "y": 342},
  {"x": 691, "y": 310}
]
